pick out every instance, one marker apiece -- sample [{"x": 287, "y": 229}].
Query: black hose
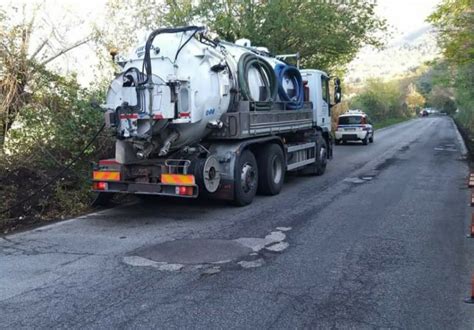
[
  {"x": 152, "y": 36},
  {"x": 290, "y": 72},
  {"x": 250, "y": 60}
]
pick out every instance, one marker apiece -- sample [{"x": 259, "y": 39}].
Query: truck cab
[{"x": 318, "y": 84}]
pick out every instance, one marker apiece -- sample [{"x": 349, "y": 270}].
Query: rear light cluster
[
  {"x": 184, "y": 190},
  {"x": 100, "y": 186}
]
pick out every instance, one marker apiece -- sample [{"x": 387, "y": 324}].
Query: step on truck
[{"x": 199, "y": 116}]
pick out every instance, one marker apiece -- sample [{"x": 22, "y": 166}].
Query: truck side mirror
[{"x": 337, "y": 91}]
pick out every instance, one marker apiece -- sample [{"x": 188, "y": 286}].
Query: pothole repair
[
  {"x": 359, "y": 180},
  {"x": 209, "y": 255},
  {"x": 194, "y": 251},
  {"x": 446, "y": 147}
]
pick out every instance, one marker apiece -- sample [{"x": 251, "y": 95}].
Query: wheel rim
[
  {"x": 247, "y": 177},
  {"x": 277, "y": 170}
]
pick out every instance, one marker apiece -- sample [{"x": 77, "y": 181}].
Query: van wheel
[
  {"x": 365, "y": 141},
  {"x": 246, "y": 179},
  {"x": 271, "y": 169}
]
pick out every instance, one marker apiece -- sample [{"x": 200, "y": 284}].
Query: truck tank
[{"x": 174, "y": 89}]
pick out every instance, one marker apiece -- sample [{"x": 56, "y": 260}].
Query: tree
[
  {"x": 328, "y": 34},
  {"x": 440, "y": 98},
  {"x": 454, "y": 21},
  {"x": 22, "y": 61},
  {"x": 414, "y": 100},
  {"x": 380, "y": 100}
]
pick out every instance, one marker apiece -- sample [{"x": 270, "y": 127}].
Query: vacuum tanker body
[{"x": 196, "y": 116}]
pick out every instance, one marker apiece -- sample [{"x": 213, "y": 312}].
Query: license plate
[{"x": 350, "y": 129}]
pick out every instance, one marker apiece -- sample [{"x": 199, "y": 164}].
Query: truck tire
[
  {"x": 319, "y": 165},
  {"x": 271, "y": 169},
  {"x": 246, "y": 179},
  {"x": 321, "y": 156}
]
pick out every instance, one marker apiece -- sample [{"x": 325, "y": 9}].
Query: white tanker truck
[{"x": 194, "y": 116}]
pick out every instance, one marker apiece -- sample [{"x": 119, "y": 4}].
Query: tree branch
[
  {"x": 64, "y": 51},
  {"x": 40, "y": 47}
]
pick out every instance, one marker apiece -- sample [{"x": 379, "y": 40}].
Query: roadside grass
[
  {"x": 467, "y": 133},
  {"x": 389, "y": 122}
]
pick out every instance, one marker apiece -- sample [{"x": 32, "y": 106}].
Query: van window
[{"x": 350, "y": 120}]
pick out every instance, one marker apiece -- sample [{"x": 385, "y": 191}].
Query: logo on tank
[{"x": 210, "y": 112}]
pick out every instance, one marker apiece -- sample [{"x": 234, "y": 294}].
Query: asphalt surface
[{"x": 378, "y": 241}]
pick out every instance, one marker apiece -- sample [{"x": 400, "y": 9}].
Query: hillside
[{"x": 398, "y": 58}]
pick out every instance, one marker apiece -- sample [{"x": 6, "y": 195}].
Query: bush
[
  {"x": 382, "y": 100},
  {"x": 49, "y": 132}
]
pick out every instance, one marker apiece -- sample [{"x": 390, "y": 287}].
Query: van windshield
[{"x": 350, "y": 120}]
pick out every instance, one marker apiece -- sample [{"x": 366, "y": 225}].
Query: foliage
[
  {"x": 326, "y": 33},
  {"x": 381, "y": 100},
  {"x": 23, "y": 62},
  {"x": 45, "y": 119},
  {"x": 48, "y": 134},
  {"x": 414, "y": 100},
  {"x": 441, "y": 99},
  {"x": 454, "y": 20}
]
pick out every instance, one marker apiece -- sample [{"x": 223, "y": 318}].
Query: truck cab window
[
  {"x": 325, "y": 91},
  {"x": 325, "y": 88}
]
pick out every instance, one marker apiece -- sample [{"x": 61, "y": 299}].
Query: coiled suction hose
[
  {"x": 247, "y": 61},
  {"x": 290, "y": 72}
]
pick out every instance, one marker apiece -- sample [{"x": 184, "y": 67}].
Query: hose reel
[
  {"x": 270, "y": 85},
  {"x": 293, "y": 74}
]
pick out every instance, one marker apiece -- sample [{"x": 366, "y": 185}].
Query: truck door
[{"x": 325, "y": 109}]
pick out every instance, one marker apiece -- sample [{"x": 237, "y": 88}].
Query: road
[{"x": 378, "y": 241}]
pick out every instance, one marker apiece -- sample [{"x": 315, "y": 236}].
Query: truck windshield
[{"x": 350, "y": 120}]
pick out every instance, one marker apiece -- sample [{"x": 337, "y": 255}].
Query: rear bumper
[
  {"x": 149, "y": 189},
  {"x": 351, "y": 136}
]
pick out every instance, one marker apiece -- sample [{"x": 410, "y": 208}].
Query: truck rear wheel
[
  {"x": 271, "y": 169},
  {"x": 246, "y": 178}
]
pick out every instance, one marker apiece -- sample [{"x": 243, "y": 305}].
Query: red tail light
[
  {"x": 184, "y": 190},
  {"x": 100, "y": 186}
]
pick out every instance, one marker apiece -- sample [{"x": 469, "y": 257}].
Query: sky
[
  {"x": 406, "y": 16},
  {"x": 403, "y": 16}
]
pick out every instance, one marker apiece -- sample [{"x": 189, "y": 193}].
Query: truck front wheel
[
  {"x": 322, "y": 156},
  {"x": 271, "y": 169},
  {"x": 246, "y": 178}
]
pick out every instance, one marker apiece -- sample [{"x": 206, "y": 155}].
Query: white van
[{"x": 354, "y": 125}]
